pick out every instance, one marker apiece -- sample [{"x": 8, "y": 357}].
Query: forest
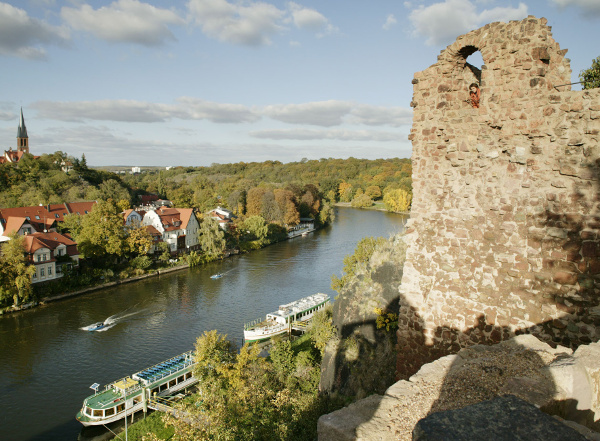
[{"x": 44, "y": 181}]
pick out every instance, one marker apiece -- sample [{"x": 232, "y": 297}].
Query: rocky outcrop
[
  {"x": 360, "y": 360},
  {"x": 555, "y": 380}
]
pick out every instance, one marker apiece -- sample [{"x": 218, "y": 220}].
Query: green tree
[
  {"x": 362, "y": 253},
  {"x": 591, "y": 77},
  {"x": 257, "y": 228},
  {"x": 100, "y": 234},
  {"x": 212, "y": 238},
  {"x": 15, "y": 271}
]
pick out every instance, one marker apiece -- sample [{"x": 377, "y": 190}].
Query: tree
[
  {"x": 212, "y": 239},
  {"x": 345, "y": 192},
  {"x": 139, "y": 240},
  {"x": 352, "y": 262},
  {"x": 362, "y": 201},
  {"x": 397, "y": 200},
  {"x": 257, "y": 228},
  {"x": 254, "y": 201},
  {"x": 15, "y": 271},
  {"x": 373, "y": 191},
  {"x": 100, "y": 234},
  {"x": 591, "y": 77}
]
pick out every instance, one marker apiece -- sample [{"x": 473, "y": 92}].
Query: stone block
[{"x": 505, "y": 418}]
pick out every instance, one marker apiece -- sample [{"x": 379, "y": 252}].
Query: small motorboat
[
  {"x": 96, "y": 326},
  {"x": 216, "y": 276}
]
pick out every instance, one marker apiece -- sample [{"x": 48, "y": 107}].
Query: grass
[{"x": 151, "y": 424}]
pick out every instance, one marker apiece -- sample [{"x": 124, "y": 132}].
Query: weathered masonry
[{"x": 504, "y": 236}]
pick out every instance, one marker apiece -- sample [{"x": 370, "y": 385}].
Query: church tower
[{"x": 22, "y": 138}]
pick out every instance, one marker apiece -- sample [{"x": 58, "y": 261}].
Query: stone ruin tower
[{"x": 504, "y": 236}]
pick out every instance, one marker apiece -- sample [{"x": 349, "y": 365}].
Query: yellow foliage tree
[
  {"x": 397, "y": 200},
  {"x": 345, "y": 192}
]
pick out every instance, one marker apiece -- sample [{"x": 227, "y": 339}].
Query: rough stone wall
[{"x": 505, "y": 223}]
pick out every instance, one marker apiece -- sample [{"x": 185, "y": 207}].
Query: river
[{"x": 47, "y": 362}]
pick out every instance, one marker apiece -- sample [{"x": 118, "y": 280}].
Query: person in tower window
[{"x": 474, "y": 95}]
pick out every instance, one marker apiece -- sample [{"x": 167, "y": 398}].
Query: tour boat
[
  {"x": 280, "y": 321},
  {"x": 130, "y": 394}
]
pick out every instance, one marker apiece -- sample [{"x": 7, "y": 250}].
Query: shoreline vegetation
[{"x": 267, "y": 199}]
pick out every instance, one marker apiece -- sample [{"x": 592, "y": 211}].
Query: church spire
[{"x": 22, "y": 138}]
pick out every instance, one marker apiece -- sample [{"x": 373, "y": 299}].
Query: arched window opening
[
  {"x": 473, "y": 61},
  {"x": 472, "y": 73}
]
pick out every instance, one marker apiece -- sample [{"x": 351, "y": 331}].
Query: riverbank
[
  {"x": 90, "y": 289},
  {"x": 378, "y": 206},
  {"x": 87, "y": 290}
]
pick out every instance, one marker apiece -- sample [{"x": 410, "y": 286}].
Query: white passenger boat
[
  {"x": 131, "y": 394},
  {"x": 280, "y": 321}
]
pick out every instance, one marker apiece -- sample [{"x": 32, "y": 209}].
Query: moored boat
[
  {"x": 279, "y": 322},
  {"x": 131, "y": 394}
]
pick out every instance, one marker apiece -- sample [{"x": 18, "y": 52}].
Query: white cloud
[
  {"x": 323, "y": 134},
  {"x": 249, "y": 24},
  {"x": 321, "y": 113},
  {"x": 194, "y": 108},
  {"x": 390, "y": 22},
  {"x": 139, "y": 111},
  {"x": 380, "y": 116},
  {"x": 128, "y": 21},
  {"x": 22, "y": 36},
  {"x": 306, "y": 18},
  {"x": 444, "y": 21},
  {"x": 588, "y": 7}
]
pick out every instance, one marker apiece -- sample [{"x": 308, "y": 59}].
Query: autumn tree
[
  {"x": 373, "y": 191},
  {"x": 397, "y": 200},
  {"x": 15, "y": 271},
  {"x": 254, "y": 201},
  {"x": 591, "y": 77},
  {"x": 362, "y": 201},
  {"x": 345, "y": 192},
  {"x": 287, "y": 206},
  {"x": 138, "y": 240}
]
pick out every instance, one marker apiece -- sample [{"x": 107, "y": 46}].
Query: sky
[{"x": 196, "y": 82}]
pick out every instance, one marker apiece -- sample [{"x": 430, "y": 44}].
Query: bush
[{"x": 141, "y": 262}]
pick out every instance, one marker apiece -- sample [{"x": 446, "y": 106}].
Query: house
[
  {"x": 177, "y": 226},
  {"x": 133, "y": 217},
  {"x": 223, "y": 216},
  {"x": 38, "y": 218},
  {"x": 49, "y": 252}
]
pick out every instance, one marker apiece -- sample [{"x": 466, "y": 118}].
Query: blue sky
[{"x": 194, "y": 82}]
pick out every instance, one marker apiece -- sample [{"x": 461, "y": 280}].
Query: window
[
  {"x": 59, "y": 269},
  {"x": 49, "y": 270},
  {"x": 56, "y": 215},
  {"x": 39, "y": 257},
  {"x": 37, "y": 217},
  {"x": 60, "y": 252},
  {"x": 86, "y": 212},
  {"x": 27, "y": 217},
  {"x": 35, "y": 275},
  {"x": 42, "y": 272}
]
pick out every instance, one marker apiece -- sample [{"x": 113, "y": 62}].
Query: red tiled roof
[{"x": 52, "y": 240}]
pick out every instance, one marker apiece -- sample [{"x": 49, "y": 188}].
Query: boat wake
[{"x": 109, "y": 322}]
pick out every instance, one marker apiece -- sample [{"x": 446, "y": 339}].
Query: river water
[{"x": 47, "y": 362}]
